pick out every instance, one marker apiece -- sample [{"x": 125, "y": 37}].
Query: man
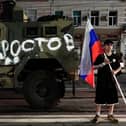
[{"x": 106, "y": 92}]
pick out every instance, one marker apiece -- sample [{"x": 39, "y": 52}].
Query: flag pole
[{"x": 117, "y": 83}]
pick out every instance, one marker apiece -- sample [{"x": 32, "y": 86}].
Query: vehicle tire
[{"x": 40, "y": 89}]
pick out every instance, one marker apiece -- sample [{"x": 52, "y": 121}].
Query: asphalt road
[
  {"x": 82, "y": 101},
  {"x": 75, "y": 110}
]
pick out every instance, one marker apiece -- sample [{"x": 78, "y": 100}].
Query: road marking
[{"x": 53, "y": 118}]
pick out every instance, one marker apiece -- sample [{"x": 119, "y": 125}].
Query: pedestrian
[{"x": 106, "y": 92}]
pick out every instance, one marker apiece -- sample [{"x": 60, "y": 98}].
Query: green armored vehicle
[{"x": 37, "y": 57}]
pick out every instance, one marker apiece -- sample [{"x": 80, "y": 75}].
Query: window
[
  {"x": 95, "y": 18},
  {"x": 59, "y": 13},
  {"x": 51, "y": 30},
  {"x": 31, "y": 13},
  {"x": 31, "y": 32},
  {"x": 112, "y": 18},
  {"x": 77, "y": 18}
]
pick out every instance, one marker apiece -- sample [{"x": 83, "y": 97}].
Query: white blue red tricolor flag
[{"x": 90, "y": 50}]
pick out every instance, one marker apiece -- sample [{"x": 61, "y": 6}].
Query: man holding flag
[
  {"x": 106, "y": 91},
  {"x": 93, "y": 57}
]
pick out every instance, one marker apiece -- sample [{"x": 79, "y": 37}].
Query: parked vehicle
[{"x": 36, "y": 57}]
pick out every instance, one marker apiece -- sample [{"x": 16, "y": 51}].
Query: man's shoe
[
  {"x": 96, "y": 119},
  {"x": 112, "y": 119}
]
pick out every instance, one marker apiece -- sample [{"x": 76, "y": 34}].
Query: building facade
[{"x": 107, "y": 16}]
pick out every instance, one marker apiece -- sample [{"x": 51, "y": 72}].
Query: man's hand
[{"x": 114, "y": 72}]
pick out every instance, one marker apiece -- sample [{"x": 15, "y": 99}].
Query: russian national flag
[{"x": 91, "y": 49}]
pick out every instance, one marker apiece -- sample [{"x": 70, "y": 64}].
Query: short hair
[{"x": 108, "y": 41}]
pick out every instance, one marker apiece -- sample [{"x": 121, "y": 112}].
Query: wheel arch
[{"x": 38, "y": 64}]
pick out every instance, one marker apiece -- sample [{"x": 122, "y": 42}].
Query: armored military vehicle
[{"x": 36, "y": 57}]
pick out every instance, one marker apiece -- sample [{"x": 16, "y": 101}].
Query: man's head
[
  {"x": 108, "y": 42},
  {"x": 108, "y": 45}
]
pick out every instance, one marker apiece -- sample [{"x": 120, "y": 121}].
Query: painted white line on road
[{"x": 53, "y": 118}]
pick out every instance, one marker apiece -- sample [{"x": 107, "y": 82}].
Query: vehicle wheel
[{"x": 40, "y": 89}]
